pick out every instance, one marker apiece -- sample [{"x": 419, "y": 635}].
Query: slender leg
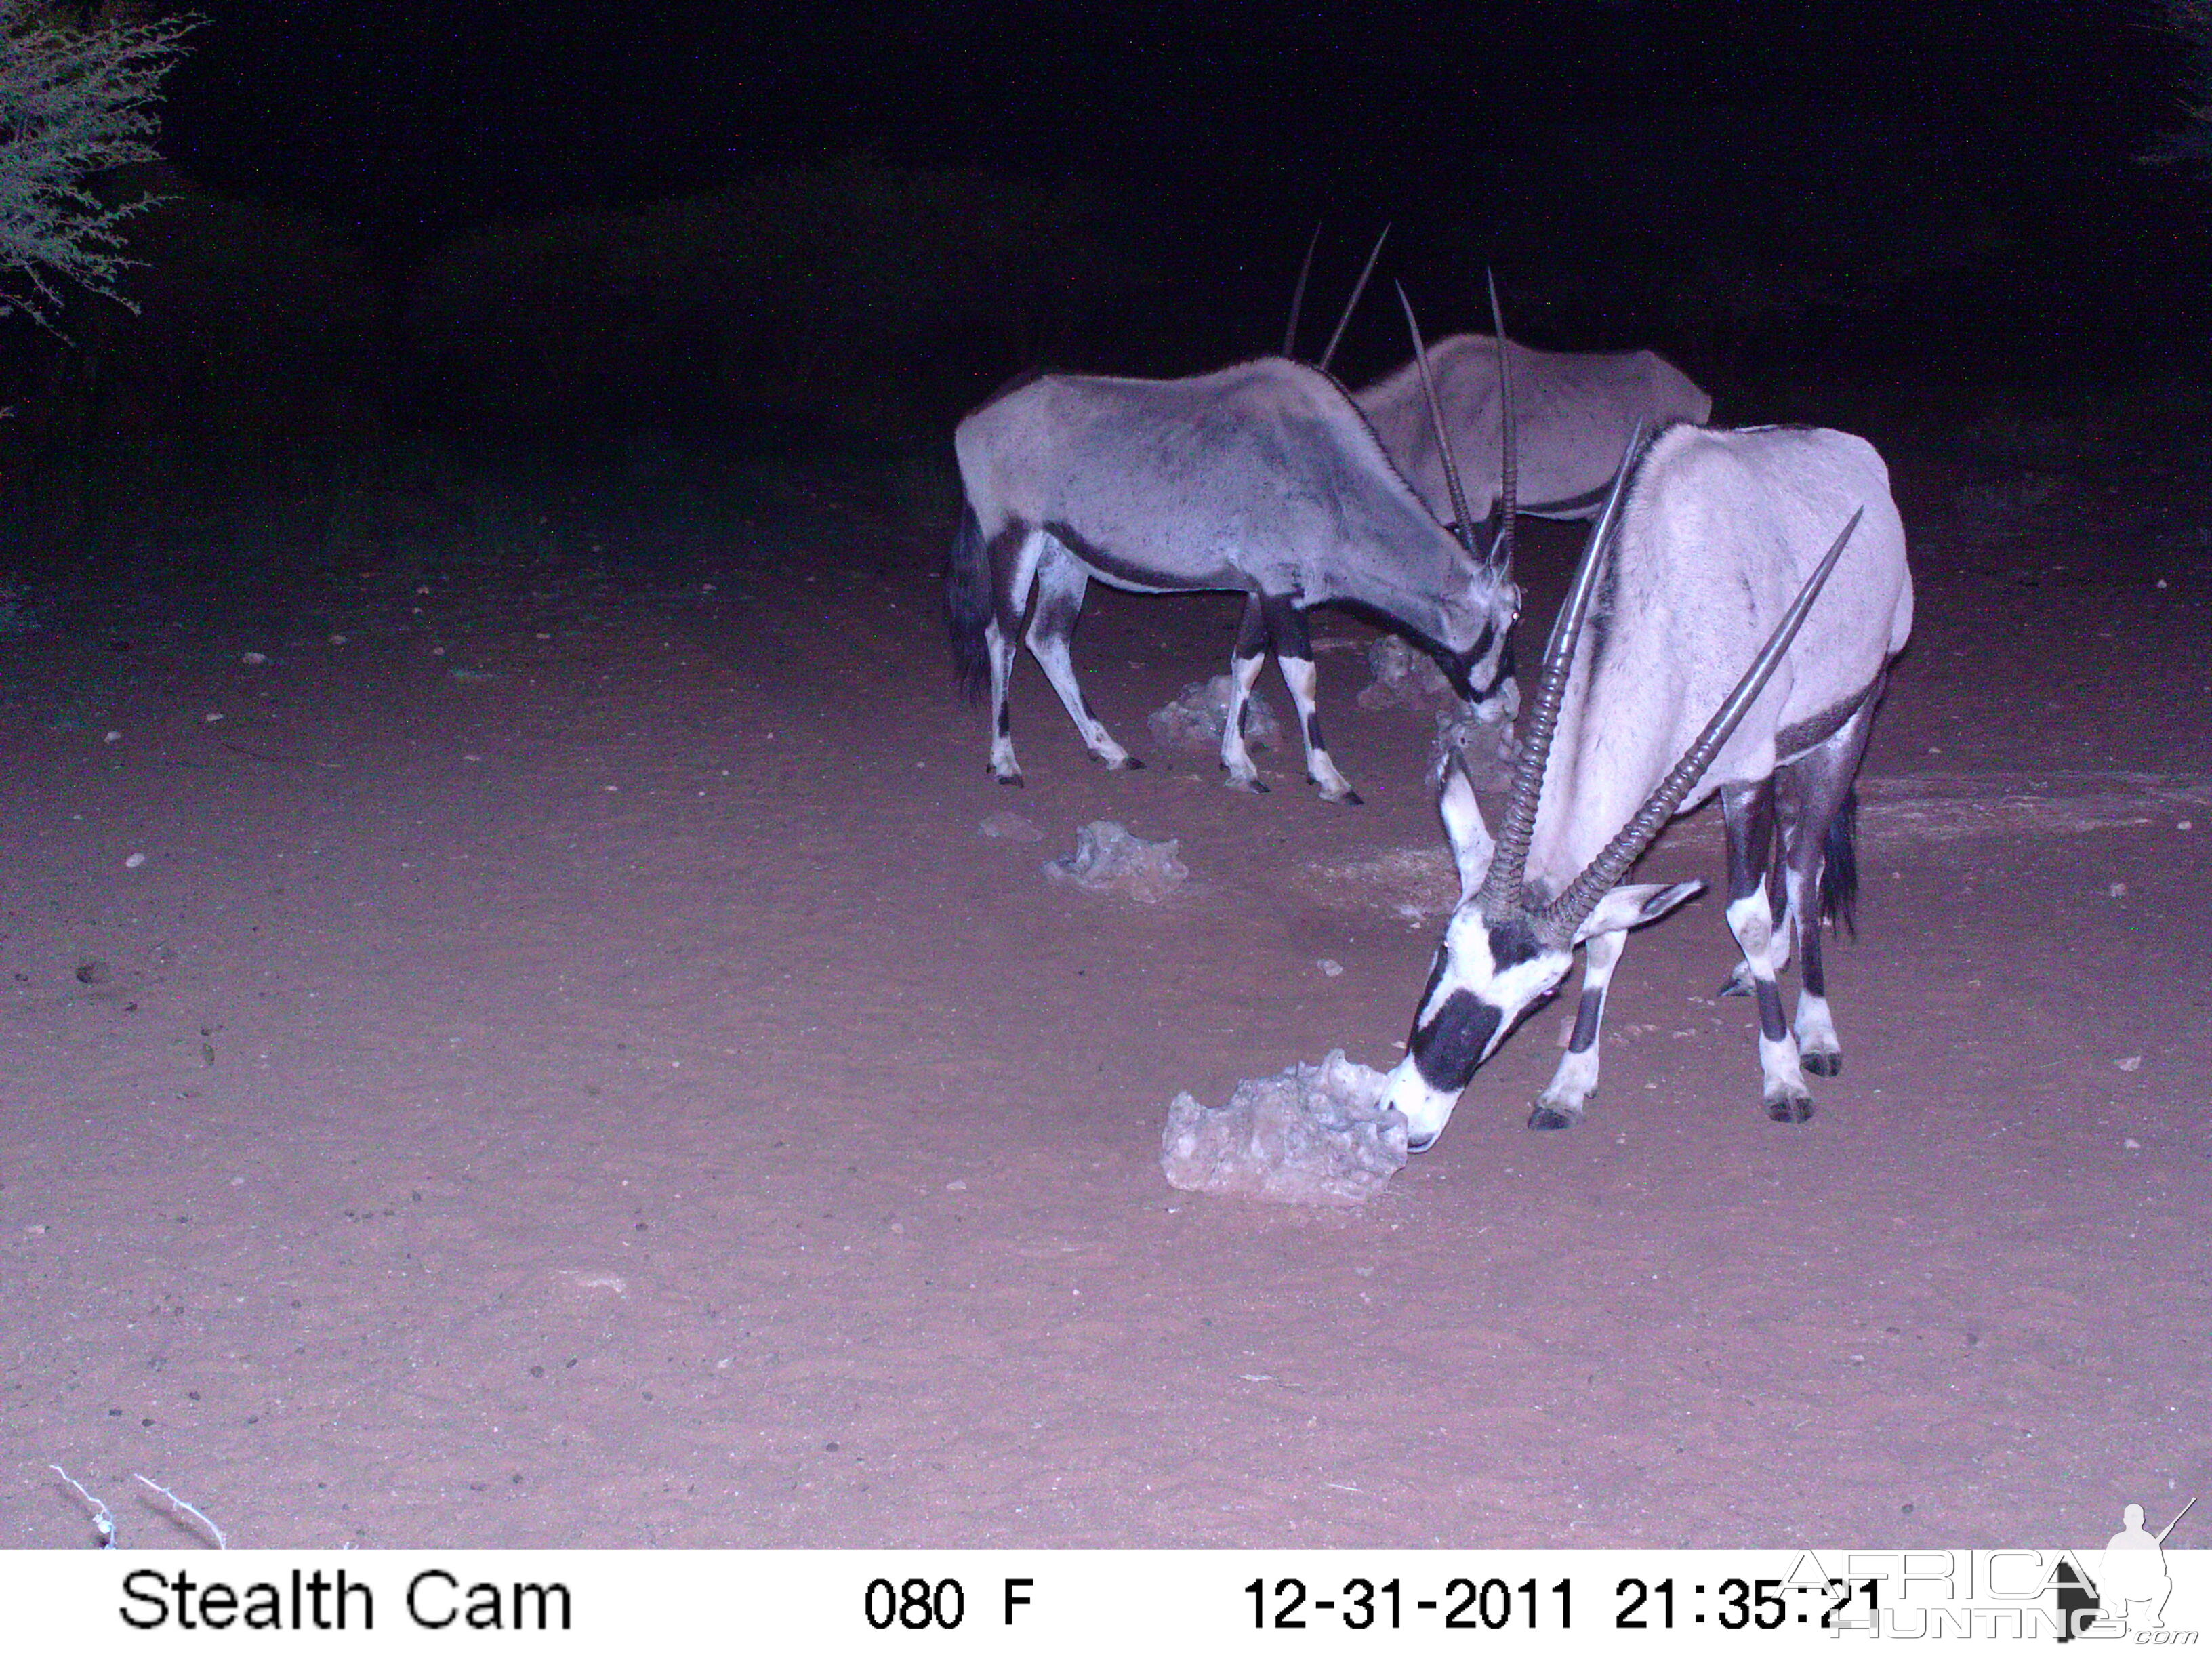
[
  {"x": 1561, "y": 1106},
  {"x": 1014, "y": 553},
  {"x": 1821, "y": 784},
  {"x": 1286, "y": 623},
  {"x": 1781, "y": 894},
  {"x": 1748, "y": 813},
  {"x": 1060, "y": 582},
  {"x": 1244, "y": 665}
]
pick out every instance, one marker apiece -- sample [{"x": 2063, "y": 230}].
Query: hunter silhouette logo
[{"x": 2132, "y": 1586}]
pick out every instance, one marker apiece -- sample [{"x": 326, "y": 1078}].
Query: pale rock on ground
[
  {"x": 1312, "y": 1134},
  {"x": 1107, "y": 859},
  {"x": 1195, "y": 718}
]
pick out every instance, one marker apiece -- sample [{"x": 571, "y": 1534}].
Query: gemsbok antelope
[
  {"x": 1263, "y": 479},
  {"x": 1683, "y": 572},
  {"x": 1575, "y": 410}
]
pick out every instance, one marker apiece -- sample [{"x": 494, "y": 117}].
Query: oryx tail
[{"x": 968, "y": 605}]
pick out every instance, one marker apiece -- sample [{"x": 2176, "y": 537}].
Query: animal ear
[
  {"x": 1470, "y": 839},
  {"x": 1631, "y": 907}
]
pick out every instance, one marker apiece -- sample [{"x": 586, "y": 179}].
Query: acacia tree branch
[{"x": 76, "y": 104}]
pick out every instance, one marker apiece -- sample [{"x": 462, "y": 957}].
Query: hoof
[
  {"x": 1126, "y": 763},
  {"x": 1739, "y": 985},
  {"x": 1249, "y": 785},
  {"x": 1822, "y": 1065},
  {"x": 1551, "y": 1117},
  {"x": 1792, "y": 1109},
  {"x": 1011, "y": 780}
]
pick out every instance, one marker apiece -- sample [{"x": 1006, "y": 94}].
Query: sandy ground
[{"x": 595, "y": 1086}]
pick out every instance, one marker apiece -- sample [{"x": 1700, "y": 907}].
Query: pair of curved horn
[
  {"x": 1500, "y": 557},
  {"x": 1299, "y": 299},
  {"x": 1502, "y": 889},
  {"x": 1565, "y": 913},
  {"x": 1510, "y": 861}
]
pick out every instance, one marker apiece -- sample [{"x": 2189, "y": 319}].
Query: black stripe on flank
[
  {"x": 1118, "y": 569},
  {"x": 1570, "y": 507},
  {"x": 1792, "y": 741},
  {"x": 1449, "y": 1046}
]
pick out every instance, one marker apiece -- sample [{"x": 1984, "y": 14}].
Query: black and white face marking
[
  {"x": 1486, "y": 976},
  {"x": 1483, "y": 673}
]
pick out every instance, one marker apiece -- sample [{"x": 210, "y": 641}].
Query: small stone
[
  {"x": 2117, "y": 890},
  {"x": 134, "y": 860},
  {"x": 1330, "y": 967},
  {"x": 1404, "y": 677},
  {"x": 212, "y": 719},
  {"x": 253, "y": 659},
  {"x": 1196, "y": 718},
  {"x": 2186, "y": 823},
  {"x": 2131, "y": 1144},
  {"x": 113, "y": 737},
  {"x": 1107, "y": 859},
  {"x": 2132, "y": 1063},
  {"x": 337, "y": 638},
  {"x": 1009, "y": 826}
]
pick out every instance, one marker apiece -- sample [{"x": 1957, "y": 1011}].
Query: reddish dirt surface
[{"x": 622, "y": 1101}]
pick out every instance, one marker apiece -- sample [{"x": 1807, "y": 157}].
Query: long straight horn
[
  {"x": 1352, "y": 304},
  {"x": 1518, "y": 827},
  {"x": 1509, "y": 472},
  {"x": 1436, "y": 420},
  {"x": 1299, "y": 297},
  {"x": 1565, "y": 913}
]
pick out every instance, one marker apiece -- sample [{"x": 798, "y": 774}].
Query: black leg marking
[
  {"x": 1588, "y": 1013},
  {"x": 1286, "y": 626},
  {"x": 1747, "y": 813},
  {"x": 1313, "y": 732},
  {"x": 1005, "y": 721},
  {"x": 1252, "y": 630},
  {"x": 1771, "y": 1024}
]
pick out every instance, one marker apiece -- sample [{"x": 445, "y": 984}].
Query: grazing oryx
[
  {"x": 1575, "y": 409},
  {"x": 1716, "y": 531},
  {"x": 1263, "y": 479}
]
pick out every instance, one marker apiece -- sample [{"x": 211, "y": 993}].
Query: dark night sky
[
  {"x": 1912, "y": 190},
  {"x": 404, "y": 119}
]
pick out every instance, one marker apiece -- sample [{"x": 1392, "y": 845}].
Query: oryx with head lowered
[
  {"x": 1261, "y": 479},
  {"x": 1644, "y": 708}
]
